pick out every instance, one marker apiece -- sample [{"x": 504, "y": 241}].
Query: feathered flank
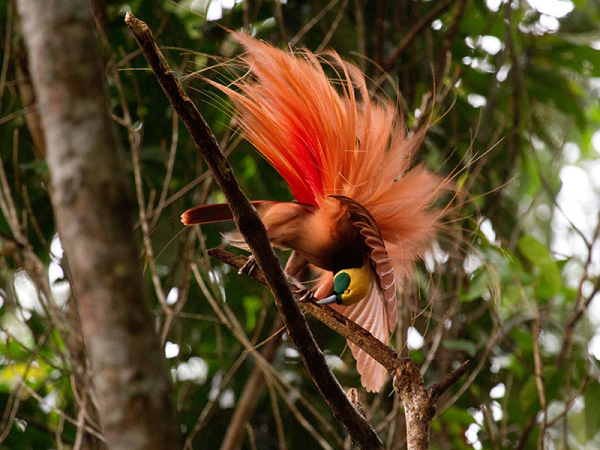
[{"x": 349, "y": 159}]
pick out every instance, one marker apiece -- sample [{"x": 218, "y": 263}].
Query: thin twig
[
  {"x": 539, "y": 376},
  {"x": 167, "y": 181},
  {"x": 334, "y": 26},
  {"x": 311, "y": 23},
  {"x": 490, "y": 425},
  {"x": 408, "y": 37},
  {"x": 439, "y": 388},
  {"x": 302, "y": 420},
  {"x": 361, "y": 34},
  {"x": 277, "y": 416},
  {"x": 280, "y": 21}
]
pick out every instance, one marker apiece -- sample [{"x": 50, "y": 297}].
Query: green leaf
[
  {"x": 528, "y": 398},
  {"x": 249, "y": 167},
  {"x": 33, "y": 374},
  {"x": 39, "y": 168},
  {"x": 550, "y": 281},
  {"x": 251, "y": 305},
  {"x": 480, "y": 285},
  {"x": 551, "y": 87},
  {"x": 591, "y": 396}
]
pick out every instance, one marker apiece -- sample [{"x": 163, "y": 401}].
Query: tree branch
[
  {"x": 408, "y": 37},
  {"x": 419, "y": 403},
  {"x": 254, "y": 233},
  {"x": 442, "y": 386}
]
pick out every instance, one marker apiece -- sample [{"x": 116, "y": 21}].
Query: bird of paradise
[{"x": 362, "y": 215}]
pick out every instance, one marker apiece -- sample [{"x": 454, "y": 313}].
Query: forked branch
[{"x": 419, "y": 403}]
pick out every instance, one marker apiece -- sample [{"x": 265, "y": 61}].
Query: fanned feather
[
  {"x": 378, "y": 256},
  {"x": 326, "y": 141},
  {"x": 370, "y": 313}
]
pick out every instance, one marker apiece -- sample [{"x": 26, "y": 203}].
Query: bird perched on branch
[{"x": 362, "y": 215}]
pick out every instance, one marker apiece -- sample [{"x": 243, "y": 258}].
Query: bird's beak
[{"x": 328, "y": 300}]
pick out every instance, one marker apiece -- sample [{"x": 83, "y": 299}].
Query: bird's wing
[
  {"x": 370, "y": 314},
  {"x": 378, "y": 255}
]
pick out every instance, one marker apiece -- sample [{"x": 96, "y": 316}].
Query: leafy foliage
[{"x": 508, "y": 286}]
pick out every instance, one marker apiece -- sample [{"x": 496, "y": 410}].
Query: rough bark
[{"x": 94, "y": 218}]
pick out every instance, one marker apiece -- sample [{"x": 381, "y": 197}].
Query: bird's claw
[
  {"x": 249, "y": 266},
  {"x": 307, "y": 296},
  {"x": 300, "y": 290}
]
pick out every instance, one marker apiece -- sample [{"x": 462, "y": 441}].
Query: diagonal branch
[
  {"x": 420, "y": 404},
  {"x": 253, "y": 231}
]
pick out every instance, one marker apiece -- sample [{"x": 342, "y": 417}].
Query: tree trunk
[{"x": 93, "y": 212}]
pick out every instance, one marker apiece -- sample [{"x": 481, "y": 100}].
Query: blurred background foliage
[{"x": 511, "y": 285}]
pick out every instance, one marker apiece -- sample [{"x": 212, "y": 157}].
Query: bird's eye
[{"x": 347, "y": 291}]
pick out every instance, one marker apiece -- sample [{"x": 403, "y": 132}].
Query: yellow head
[{"x": 350, "y": 286}]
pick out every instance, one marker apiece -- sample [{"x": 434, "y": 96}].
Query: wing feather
[
  {"x": 378, "y": 255},
  {"x": 370, "y": 313}
]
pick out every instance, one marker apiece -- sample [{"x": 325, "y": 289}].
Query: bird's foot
[
  {"x": 308, "y": 296},
  {"x": 300, "y": 291},
  {"x": 249, "y": 266}
]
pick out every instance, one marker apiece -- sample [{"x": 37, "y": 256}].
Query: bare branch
[
  {"x": 419, "y": 403},
  {"x": 408, "y": 37},
  {"x": 442, "y": 386}
]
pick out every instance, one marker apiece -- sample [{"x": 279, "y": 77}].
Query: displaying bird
[{"x": 363, "y": 215}]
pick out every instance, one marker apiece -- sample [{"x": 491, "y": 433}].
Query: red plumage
[{"x": 328, "y": 140}]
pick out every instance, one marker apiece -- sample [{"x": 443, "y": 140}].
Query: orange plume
[
  {"x": 326, "y": 137},
  {"x": 325, "y": 142}
]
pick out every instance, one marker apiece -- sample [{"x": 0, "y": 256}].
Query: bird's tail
[{"x": 217, "y": 212}]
